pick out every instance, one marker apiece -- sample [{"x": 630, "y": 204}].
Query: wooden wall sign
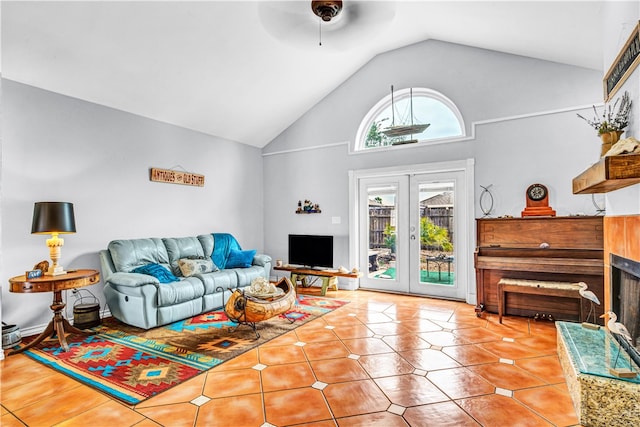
[
  {"x": 624, "y": 64},
  {"x": 176, "y": 177}
]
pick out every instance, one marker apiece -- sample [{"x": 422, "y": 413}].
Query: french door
[{"x": 412, "y": 232}]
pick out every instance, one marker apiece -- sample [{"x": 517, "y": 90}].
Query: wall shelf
[{"x": 609, "y": 174}]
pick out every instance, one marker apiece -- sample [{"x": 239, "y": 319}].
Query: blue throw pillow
[
  {"x": 156, "y": 270},
  {"x": 240, "y": 259}
]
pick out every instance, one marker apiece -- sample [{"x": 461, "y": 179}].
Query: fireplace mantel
[{"x": 609, "y": 174}]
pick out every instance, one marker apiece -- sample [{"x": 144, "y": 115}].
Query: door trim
[{"x": 466, "y": 240}]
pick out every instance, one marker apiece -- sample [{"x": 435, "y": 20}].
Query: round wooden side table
[{"x": 56, "y": 284}]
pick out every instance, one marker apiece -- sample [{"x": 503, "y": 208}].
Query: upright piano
[{"x": 565, "y": 249}]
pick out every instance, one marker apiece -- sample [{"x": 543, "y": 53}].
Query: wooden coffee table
[
  {"x": 56, "y": 284},
  {"x": 329, "y": 277}
]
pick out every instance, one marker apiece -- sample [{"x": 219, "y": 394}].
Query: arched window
[{"x": 428, "y": 106}]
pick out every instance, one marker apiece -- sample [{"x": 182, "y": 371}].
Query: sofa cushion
[
  {"x": 262, "y": 260},
  {"x": 221, "y": 279},
  {"x": 186, "y": 289},
  {"x": 246, "y": 275},
  {"x": 191, "y": 266},
  {"x": 206, "y": 240},
  {"x": 156, "y": 270},
  {"x": 129, "y": 254},
  {"x": 240, "y": 259},
  {"x": 182, "y": 247}
]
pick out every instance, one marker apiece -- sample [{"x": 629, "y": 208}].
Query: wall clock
[{"x": 537, "y": 197}]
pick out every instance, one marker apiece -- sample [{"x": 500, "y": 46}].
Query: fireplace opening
[{"x": 625, "y": 301}]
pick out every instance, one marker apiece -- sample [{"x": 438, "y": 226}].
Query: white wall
[
  {"x": 521, "y": 135},
  {"x": 56, "y": 148},
  {"x": 619, "y": 20}
]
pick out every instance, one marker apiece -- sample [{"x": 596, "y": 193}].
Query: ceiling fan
[
  {"x": 326, "y": 9},
  {"x": 342, "y": 23}
]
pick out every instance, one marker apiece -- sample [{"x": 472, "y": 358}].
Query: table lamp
[{"x": 53, "y": 218}]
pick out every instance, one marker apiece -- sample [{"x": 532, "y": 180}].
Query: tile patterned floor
[{"x": 383, "y": 360}]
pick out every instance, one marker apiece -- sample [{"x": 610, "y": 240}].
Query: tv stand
[{"x": 329, "y": 277}]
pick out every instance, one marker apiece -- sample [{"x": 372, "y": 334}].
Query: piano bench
[{"x": 535, "y": 287}]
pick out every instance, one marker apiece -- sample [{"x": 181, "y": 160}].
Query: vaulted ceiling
[{"x": 246, "y": 70}]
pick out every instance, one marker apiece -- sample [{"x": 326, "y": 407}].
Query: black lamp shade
[{"x": 53, "y": 217}]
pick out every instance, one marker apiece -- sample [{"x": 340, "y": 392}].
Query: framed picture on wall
[{"x": 623, "y": 66}]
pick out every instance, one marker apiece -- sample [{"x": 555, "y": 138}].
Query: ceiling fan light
[{"x": 326, "y": 10}]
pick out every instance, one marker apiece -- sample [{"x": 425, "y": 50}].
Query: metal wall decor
[
  {"x": 486, "y": 201},
  {"x": 599, "y": 204}
]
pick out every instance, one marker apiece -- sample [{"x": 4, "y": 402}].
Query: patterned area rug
[{"x": 133, "y": 364}]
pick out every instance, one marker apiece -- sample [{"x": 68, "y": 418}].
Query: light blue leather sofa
[{"x": 142, "y": 300}]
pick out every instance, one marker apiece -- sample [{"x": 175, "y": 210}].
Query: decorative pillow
[
  {"x": 156, "y": 270},
  {"x": 191, "y": 266},
  {"x": 240, "y": 259}
]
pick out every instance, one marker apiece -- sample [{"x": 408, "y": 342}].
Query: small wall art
[{"x": 171, "y": 176}]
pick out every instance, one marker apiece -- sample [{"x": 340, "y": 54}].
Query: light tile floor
[{"x": 382, "y": 360}]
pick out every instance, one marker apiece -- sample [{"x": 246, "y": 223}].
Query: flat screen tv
[{"x": 311, "y": 250}]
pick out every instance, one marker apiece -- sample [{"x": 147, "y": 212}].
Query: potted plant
[
  {"x": 610, "y": 125},
  {"x": 390, "y": 237}
]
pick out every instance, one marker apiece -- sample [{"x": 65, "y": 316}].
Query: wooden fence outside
[{"x": 381, "y": 216}]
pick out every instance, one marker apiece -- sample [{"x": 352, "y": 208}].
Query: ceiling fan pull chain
[{"x": 320, "y": 31}]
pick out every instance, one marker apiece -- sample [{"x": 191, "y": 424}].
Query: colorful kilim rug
[{"x": 133, "y": 364}]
